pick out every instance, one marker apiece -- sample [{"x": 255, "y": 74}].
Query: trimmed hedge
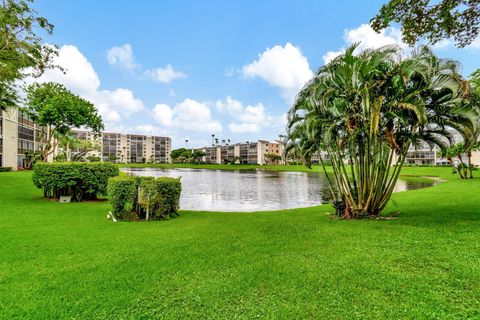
[
  {"x": 6, "y": 169},
  {"x": 81, "y": 180},
  {"x": 135, "y": 198}
]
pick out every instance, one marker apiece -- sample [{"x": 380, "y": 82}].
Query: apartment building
[
  {"x": 19, "y": 135},
  {"x": 128, "y": 148},
  {"x": 246, "y": 153}
]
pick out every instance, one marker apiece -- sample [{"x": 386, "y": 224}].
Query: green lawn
[{"x": 68, "y": 261}]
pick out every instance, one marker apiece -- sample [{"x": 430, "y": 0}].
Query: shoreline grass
[{"x": 68, "y": 261}]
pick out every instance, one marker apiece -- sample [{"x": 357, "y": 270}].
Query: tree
[
  {"x": 365, "y": 110},
  {"x": 30, "y": 158},
  {"x": 177, "y": 153},
  {"x": 456, "y": 151},
  {"x": 237, "y": 160},
  {"x": 197, "y": 156},
  {"x": 457, "y": 19},
  {"x": 53, "y": 106},
  {"x": 22, "y": 51},
  {"x": 81, "y": 147},
  {"x": 272, "y": 157}
]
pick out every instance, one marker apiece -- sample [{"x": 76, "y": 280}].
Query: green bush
[
  {"x": 168, "y": 202},
  {"x": 80, "y": 180},
  {"x": 122, "y": 192},
  {"x": 144, "y": 197},
  {"x": 6, "y": 169}
]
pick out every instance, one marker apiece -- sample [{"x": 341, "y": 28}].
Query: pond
[{"x": 255, "y": 190}]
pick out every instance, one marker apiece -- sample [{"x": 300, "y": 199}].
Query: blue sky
[{"x": 188, "y": 69}]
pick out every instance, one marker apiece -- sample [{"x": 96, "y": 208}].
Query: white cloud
[
  {"x": 230, "y": 106},
  {"x": 188, "y": 115},
  {"x": 163, "y": 114},
  {"x": 367, "y": 39},
  {"x": 122, "y": 57},
  {"x": 80, "y": 77},
  {"x": 243, "y": 127},
  {"x": 246, "y": 119},
  {"x": 149, "y": 129},
  {"x": 165, "y": 75},
  {"x": 475, "y": 44},
  {"x": 254, "y": 114},
  {"x": 284, "y": 67}
]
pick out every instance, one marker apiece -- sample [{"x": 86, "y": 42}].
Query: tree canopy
[
  {"x": 432, "y": 20},
  {"x": 22, "y": 52},
  {"x": 53, "y": 106}
]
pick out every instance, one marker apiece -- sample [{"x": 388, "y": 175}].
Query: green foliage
[
  {"x": 475, "y": 81},
  {"x": 144, "y": 197},
  {"x": 82, "y": 181},
  {"x": 365, "y": 110},
  {"x": 55, "y": 107},
  {"x": 31, "y": 157},
  {"x": 112, "y": 158},
  {"x": 22, "y": 52},
  {"x": 93, "y": 158},
  {"x": 168, "y": 201},
  {"x": 272, "y": 157},
  {"x": 6, "y": 169},
  {"x": 122, "y": 192},
  {"x": 75, "y": 149},
  {"x": 181, "y": 155},
  {"x": 445, "y": 19},
  {"x": 197, "y": 156}
]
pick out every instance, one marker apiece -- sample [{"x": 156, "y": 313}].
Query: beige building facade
[
  {"x": 128, "y": 148},
  {"x": 244, "y": 153},
  {"x": 20, "y": 135}
]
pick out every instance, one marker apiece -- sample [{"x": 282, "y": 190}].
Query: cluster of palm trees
[
  {"x": 366, "y": 110},
  {"x": 216, "y": 141}
]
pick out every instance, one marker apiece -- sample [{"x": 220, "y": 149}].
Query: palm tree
[
  {"x": 213, "y": 139},
  {"x": 452, "y": 152},
  {"x": 365, "y": 110}
]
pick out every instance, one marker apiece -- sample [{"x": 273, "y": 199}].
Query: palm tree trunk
[
  {"x": 455, "y": 167},
  {"x": 470, "y": 165}
]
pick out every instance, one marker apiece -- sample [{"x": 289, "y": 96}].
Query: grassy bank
[
  {"x": 68, "y": 261},
  {"x": 443, "y": 171},
  {"x": 221, "y": 166}
]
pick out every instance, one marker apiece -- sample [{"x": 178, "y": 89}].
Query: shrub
[
  {"x": 168, "y": 190},
  {"x": 6, "y": 169},
  {"x": 144, "y": 197},
  {"x": 82, "y": 181},
  {"x": 122, "y": 192}
]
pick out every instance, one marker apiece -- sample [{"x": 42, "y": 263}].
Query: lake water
[{"x": 254, "y": 190}]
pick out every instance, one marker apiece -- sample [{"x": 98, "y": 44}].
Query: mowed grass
[{"x": 68, "y": 261}]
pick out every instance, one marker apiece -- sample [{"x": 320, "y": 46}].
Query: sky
[{"x": 190, "y": 69}]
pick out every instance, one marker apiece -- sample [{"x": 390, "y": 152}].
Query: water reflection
[{"x": 250, "y": 190}]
